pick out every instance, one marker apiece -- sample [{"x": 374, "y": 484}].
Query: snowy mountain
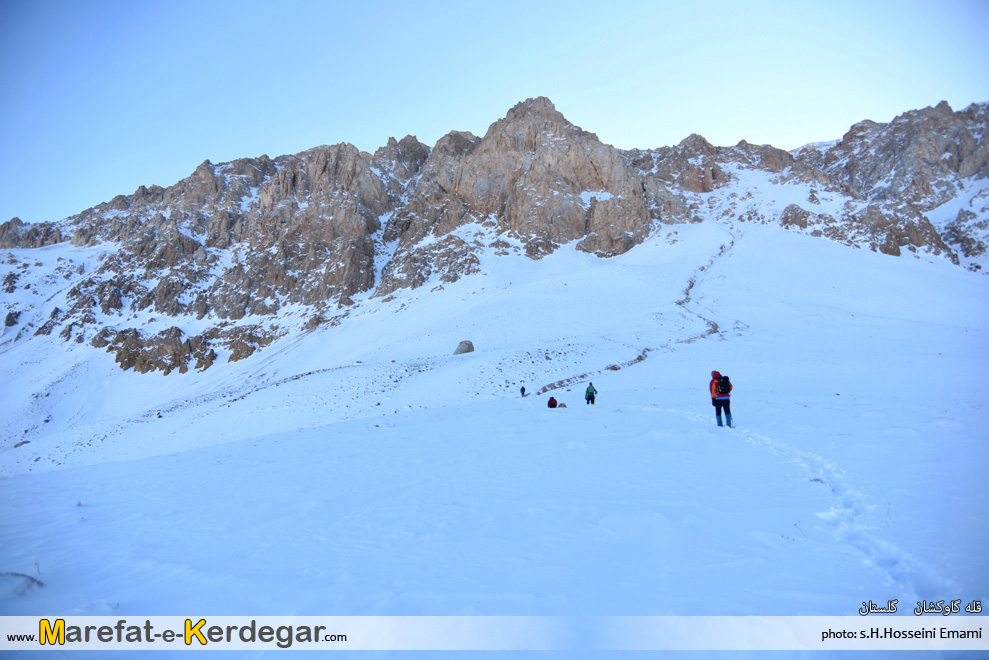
[
  {"x": 356, "y": 466},
  {"x": 241, "y": 254}
]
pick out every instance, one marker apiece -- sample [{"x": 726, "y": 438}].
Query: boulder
[{"x": 464, "y": 347}]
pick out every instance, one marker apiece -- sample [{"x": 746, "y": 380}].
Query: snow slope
[{"x": 365, "y": 470}]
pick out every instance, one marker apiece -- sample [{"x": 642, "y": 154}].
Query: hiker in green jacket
[{"x": 589, "y": 394}]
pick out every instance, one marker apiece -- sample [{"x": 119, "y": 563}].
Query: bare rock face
[
  {"x": 694, "y": 165},
  {"x": 433, "y": 208},
  {"x": 567, "y": 184},
  {"x": 16, "y": 233},
  {"x": 465, "y": 346},
  {"x": 534, "y": 174}
]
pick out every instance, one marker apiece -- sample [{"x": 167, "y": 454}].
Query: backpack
[
  {"x": 724, "y": 385},
  {"x": 552, "y": 402}
]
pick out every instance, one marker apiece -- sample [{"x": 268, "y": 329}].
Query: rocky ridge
[{"x": 251, "y": 248}]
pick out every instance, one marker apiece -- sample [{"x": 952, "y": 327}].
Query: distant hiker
[
  {"x": 720, "y": 388},
  {"x": 523, "y": 390},
  {"x": 590, "y": 393},
  {"x": 552, "y": 402}
]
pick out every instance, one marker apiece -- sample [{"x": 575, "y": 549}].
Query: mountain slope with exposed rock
[{"x": 236, "y": 255}]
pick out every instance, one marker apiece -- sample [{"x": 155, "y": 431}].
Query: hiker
[
  {"x": 590, "y": 393},
  {"x": 523, "y": 390},
  {"x": 720, "y": 388},
  {"x": 552, "y": 402}
]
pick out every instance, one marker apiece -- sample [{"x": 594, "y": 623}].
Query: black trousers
[{"x": 722, "y": 403}]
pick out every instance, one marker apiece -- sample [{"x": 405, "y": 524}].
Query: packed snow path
[{"x": 684, "y": 302}]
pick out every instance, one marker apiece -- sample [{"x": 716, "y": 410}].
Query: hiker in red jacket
[
  {"x": 720, "y": 388},
  {"x": 552, "y": 402}
]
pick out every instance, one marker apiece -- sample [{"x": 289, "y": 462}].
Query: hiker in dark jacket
[
  {"x": 720, "y": 388},
  {"x": 552, "y": 402},
  {"x": 590, "y": 393}
]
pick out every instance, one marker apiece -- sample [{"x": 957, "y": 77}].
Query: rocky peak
[
  {"x": 770, "y": 159},
  {"x": 913, "y": 158},
  {"x": 695, "y": 146},
  {"x": 539, "y": 106},
  {"x": 531, "y": 125},
  {"x": 17, "y": 233},
  {"x": 404, "y": 157},
  {"x": 535, "y": 176},
  {"x": 977, "y": 112},
  {"x": 398, "y": 162},
  {"x": 205, "y": 171},
  {"x": 456, "y": 144},
  {"x": 692, "y": 165},
  {"x": 941, "y": 111},
  {"x": 10, "y": 228}
]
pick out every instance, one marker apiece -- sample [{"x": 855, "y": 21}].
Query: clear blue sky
[{"x": 100, "y": 97}]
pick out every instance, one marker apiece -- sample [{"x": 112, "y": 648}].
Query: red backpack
[{"x": 552, "y": 402}]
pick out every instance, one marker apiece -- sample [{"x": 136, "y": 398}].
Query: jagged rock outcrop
[
  {"x": 306, "y": 234},
  {"x": 693, "y": 165},
  {"x": 397, "y": 164},
  {"x": 171, "y": 349},
  {"x": 907, "y": 168},
  {"x": 796, "y": 216},
  {"x": 17, "y": 233},
  {"x": 533, "y": 175},
  {"x": 230, "y": 241},
  {"x": 915, "y": 159}
]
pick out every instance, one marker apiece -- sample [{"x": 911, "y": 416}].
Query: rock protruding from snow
[{"x": 465, "y": 346}]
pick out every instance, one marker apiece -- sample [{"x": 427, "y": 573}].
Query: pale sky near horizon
[{"x": 103, "y": 96}]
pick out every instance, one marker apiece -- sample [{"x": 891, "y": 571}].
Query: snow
[
  {"x": 588, "y": 195},
  {"x": 820, "y": 147},
  {"x": 737, "y": 199},
  {"x": 249, "y": 201},
  {"x": 364, "y": 470},
  {"x": 974, "y": 197}
]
